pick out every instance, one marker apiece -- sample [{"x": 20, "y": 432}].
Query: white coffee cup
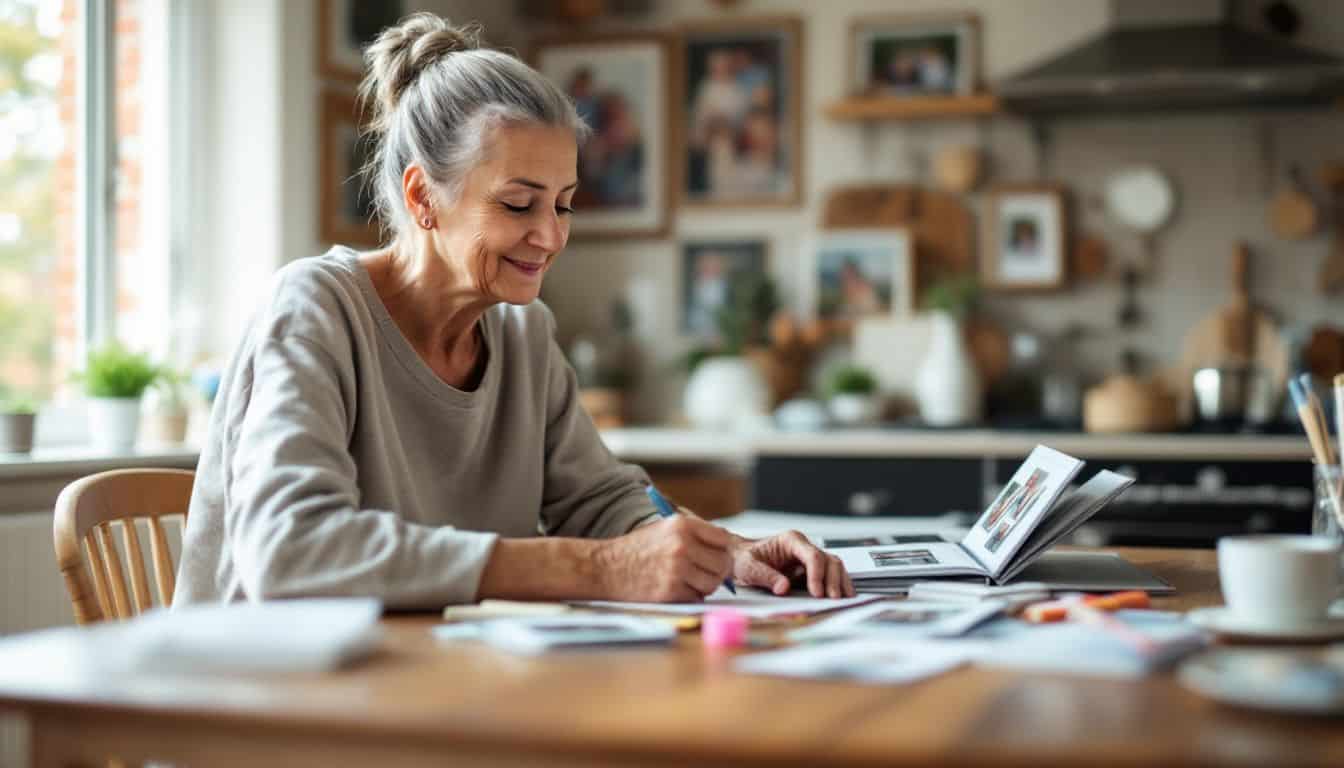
[{"x": 1279, "y": 581}]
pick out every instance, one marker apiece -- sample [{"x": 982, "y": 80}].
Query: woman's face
[{"x": 512, "y": 216}]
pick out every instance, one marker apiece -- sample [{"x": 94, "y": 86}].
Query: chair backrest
[{"x": 85, "y": 512}]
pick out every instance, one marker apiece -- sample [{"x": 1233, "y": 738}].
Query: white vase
[
  {"x": 947, "y": 386},
  {"x": 114, "y": 423},
  {"x": 726, "y": 393},
  {"x": 854, "y": 410}
]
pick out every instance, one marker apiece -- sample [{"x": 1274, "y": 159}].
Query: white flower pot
[
  {"x": 726, "y": 393},
  {"x": 854, "y": 409},
  {"x": 114, "y": 423},
  {"x": 947, "y": 386},
  {"x": 16, "y": 432}
]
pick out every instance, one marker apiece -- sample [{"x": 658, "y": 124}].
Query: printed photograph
[
  {"x": 741, "y": 110},
  {"x": 915, "y": 56},
  {"x": 906, "y": 617},
  {"x": 708, "y": 269},
  {"x": 996, "y": 539},
  {"x": 863, "y": 273},
  {"x": 902, "y": 558},
  {"x": 1000, "y": 504},
  {"x": 620, "y": 89},
  {"x": 1028, "y": 249},
  {"x": 838, "y": 543},
  {"x": 1012, "y": 506}
]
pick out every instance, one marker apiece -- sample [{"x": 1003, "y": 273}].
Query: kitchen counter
[{"x": 671, "y": 445}]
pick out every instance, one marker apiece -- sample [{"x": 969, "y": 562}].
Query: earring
[{"x": 426, "y": 222}]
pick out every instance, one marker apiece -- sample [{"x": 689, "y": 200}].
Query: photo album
[{"x": 1033, "y": 512}]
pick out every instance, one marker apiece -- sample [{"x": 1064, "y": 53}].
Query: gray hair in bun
[{"x": 435, "y": 97}]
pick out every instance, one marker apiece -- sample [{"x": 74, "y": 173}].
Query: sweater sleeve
[
  {"x": 293, "y": 520},
  {"x": 587, "y": 491}
]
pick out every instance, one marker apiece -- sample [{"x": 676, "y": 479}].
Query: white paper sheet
[
  {"x": 865, "y": 660},
  {"x": 756, "y": 603}
]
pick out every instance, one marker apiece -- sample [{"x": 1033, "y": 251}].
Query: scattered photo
[
  {"x": 901, "y": 558},
  {"x": 912, "y": 615}
]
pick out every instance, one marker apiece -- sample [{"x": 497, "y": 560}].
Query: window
[{"x": 84, "y": 204}]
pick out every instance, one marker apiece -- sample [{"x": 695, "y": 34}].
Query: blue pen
[{"x": 666, "y": 510}]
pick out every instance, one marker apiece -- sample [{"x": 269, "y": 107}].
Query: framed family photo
[
  {"x": 1026, "y": 242},
  {"x": 740, "y": 90},
  {"x": 621, "y": 88},
  {"x": 348, "y": 214},
  {"x": 915, "y": 55},
  {"x": 344, "y": 27},
  {"x": 708, "y": 270},
  {"x": 859, "y": 273}
]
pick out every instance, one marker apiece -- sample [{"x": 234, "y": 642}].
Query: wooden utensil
[
  {"x": 1331, "y": 278},
  {"x": 957, "y": 169},
  {"x": 1237, "y": 319},
  {"x": 1292, "y": 212}
]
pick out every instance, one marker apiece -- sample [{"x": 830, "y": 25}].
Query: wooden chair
[{"x": 85, "y": 512}]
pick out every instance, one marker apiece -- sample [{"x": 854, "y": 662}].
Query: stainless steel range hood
[{"x": 1183, "y": 67}]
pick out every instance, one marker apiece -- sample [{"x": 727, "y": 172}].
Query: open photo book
[{"x": 1033, "y": 512}]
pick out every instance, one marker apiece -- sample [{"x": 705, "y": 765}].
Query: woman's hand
[
  {"x": 772, "y": 563},
  {"x": 677, "y": 560}
]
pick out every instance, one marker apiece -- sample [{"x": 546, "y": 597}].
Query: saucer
[
  {"x": 1264, "y": 679},
  {"x": 1219, "y": 619}
]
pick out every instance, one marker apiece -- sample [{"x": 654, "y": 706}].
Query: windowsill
[{"x": 86, "y": 460}]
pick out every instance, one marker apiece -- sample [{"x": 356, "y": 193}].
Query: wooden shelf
[{"x": 913, "y": 107}]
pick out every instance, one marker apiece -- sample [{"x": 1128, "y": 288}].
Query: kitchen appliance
[
  {"x": 1202, "y": 62},
  {"x": 1233, "y": 395}
]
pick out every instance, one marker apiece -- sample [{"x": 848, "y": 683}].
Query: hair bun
[{"x": 400, "y": 53}]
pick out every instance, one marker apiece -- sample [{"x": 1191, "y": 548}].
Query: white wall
[{"x": 1214, "y": 160}]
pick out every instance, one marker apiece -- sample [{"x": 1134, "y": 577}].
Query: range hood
[{"x": 1181, "y": 67}]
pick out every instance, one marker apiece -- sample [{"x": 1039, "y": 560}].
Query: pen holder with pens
[{"x": 1325, "y": 517}]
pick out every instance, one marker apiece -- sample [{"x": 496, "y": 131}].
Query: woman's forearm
[{"x": 544, "y": 569}]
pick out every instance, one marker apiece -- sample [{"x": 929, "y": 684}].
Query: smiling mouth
[{"x": 526, "y": 267}]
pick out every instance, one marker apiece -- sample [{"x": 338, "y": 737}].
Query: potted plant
[
  {"x": 18, "y": 416},
  {"x": 853, "y": 400},
  {"x": 167, "y": 407},
  {"x": 114, "y": 380},
  {"x": 727, "y": 388},
  {"x": 948, "y": 387}
]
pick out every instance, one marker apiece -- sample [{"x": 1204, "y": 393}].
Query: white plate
[
  {"x": 1219, "y": 619},
  {"x": 1141, "y": 198},
  {"x": 1267, "y": 679}
]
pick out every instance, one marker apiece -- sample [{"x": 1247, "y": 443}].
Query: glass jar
[{"x": 1325, "y": 519}]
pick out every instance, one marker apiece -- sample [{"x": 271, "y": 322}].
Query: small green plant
[
  {"x": 18, "y": 404},
  {"x": 116, "y": 372},
  {"x": 955, "y": 294},
  {"x": 852, "y": 380}
]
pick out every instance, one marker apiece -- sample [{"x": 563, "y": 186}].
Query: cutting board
[{"x": 942, "y": 229}]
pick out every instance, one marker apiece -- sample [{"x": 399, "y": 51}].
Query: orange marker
[{"x": 1058, "y": 610}]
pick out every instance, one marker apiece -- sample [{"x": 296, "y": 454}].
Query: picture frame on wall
[
  {"x": 1026, "y": 238},
  {"x": 859, "y": 273},
  {"x": 348, "y": 214},
  {"x": 708, "y": 270},
  {"x": 916, "y": 55},
  {"x": 621, "y": 88},
  {"x": 345, "y": 27},
  {"x": 740, "y": 91}
]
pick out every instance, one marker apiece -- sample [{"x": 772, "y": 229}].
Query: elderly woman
[{"x": 402, "y": 423}]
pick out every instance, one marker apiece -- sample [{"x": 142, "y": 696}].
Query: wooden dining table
[{"x": 420, "y": 702}]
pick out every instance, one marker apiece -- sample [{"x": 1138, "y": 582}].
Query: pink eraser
[{"x": 724, "y": 628}]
